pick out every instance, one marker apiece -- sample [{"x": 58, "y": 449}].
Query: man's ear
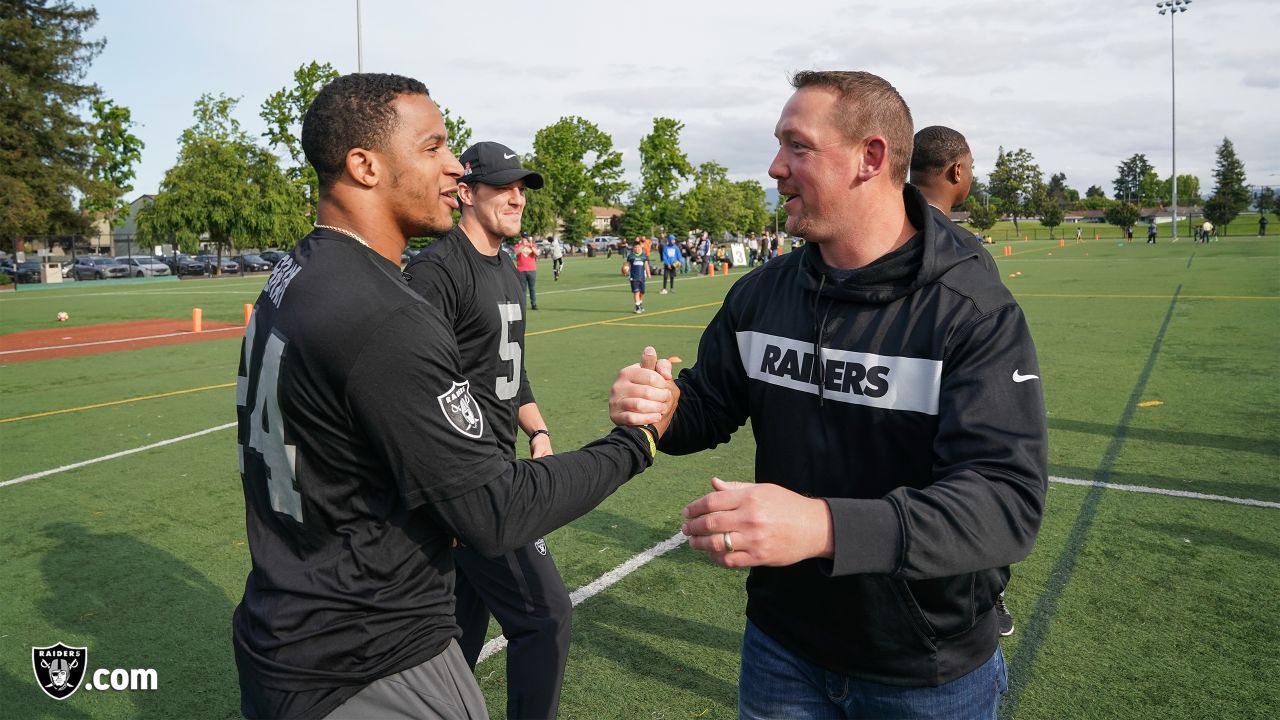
[
  {"x": 364, "y": 167},
  {"x": 955, "y": 173},
  {"x": 874, "y": 158},
  {"x": 464, "y": 194}
]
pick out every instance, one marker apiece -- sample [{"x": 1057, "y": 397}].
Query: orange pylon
[
  {"x": 197, "y": 319},
  {"x": 1062, "y": 242},
  {"x": 711, "y": 269},
  {"x": 724, "y": 268}
]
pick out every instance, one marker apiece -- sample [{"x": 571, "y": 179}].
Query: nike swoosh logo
[
  {"x": 1023, "y": 378},
  {"x": 508, "y": 157}
]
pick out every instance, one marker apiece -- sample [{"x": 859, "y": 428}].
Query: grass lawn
[{"x": 1160, "y": 367}]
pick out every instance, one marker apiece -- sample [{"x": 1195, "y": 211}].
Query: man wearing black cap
[{"x": 477, "y": 292}]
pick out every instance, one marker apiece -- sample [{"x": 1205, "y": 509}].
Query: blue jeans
[
  {"x": 527, "y": 280},
  {"x": 775, "y": 683}
]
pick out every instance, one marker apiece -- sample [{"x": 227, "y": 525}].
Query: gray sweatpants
[{"x": 441, "y": 688}]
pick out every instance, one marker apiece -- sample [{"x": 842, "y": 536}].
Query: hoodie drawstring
[{"x": 817, "y": 343}]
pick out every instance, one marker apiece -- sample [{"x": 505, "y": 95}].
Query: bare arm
[{"x": 530, "y": 420}]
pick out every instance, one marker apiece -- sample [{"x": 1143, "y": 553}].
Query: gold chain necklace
[{"x": 342, "y": 231}]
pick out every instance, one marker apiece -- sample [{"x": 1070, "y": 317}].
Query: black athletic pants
[
  {"x": 668, "y": 275},
  {"x": 525, "y": 593}
]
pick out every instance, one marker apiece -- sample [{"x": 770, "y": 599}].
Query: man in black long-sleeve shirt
[
  {"x": 894, "y": 394},
  {"x": 362, "y": 451}
]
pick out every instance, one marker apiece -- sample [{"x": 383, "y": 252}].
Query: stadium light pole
[
  {"x": 360, "y": 41},
  {"x": 1173, "y": 7}
]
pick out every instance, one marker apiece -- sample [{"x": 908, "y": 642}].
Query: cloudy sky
[{"x": 1082, "y": 85}]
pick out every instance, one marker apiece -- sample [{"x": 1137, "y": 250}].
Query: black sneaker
[{"x": 1003, "y": 617}]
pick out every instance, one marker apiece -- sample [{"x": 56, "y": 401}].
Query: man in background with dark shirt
[
  {"x": 477, "y": 291},
  {"x": 942, "y": 168},
  {"x": 362, "y": 451}
]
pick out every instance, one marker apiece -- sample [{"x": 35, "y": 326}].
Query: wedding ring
[{"x": 728, "y": 543}]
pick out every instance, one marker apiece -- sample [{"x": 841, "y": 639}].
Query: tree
[
  {"x": 283, "y": 111},
  {"x": 539, "y": 207},
  {"x": 1014, "y": 181},
  {"x": 1188, "y": 190},
  {"x": 459, "y": 132},
  {"x": 1137, "y": 181},
  {"x": 115, "y": 151},
  {"x": 225, "y": 187},
  {"x": 663, "y": 165},
  {"x": 581, "y": 169},
  {"x": 1057, "y": 188},
  {"x": 1122, "y": 214},
  {"x": 753, "y": 207},
  {"x": 982, "y": 217},
  {"x": 636, "y": 218},
  {"x": 1230, "y": 194},
  {"x": 1264, "y": 200},
  {"x": 1095, "y": 192},
  {"x": 1049, "y": 208},
  {"x": 45, "y": 146}
]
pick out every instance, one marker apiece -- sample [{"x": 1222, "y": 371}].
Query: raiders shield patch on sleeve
[{"x": 461, "y": 410}]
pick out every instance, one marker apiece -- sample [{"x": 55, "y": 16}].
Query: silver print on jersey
[
  {"x": 461, "y": 410},
  {"x": 882, "y": 381}
]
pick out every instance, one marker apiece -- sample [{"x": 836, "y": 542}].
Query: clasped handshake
[{"x": 737, "y": 524}]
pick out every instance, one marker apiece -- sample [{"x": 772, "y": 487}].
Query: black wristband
[
  {"x": 651, "y": 433},
  {"x": 536, "y": 433}
]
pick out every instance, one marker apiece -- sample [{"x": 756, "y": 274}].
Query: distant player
[
  {"x": 638, "y": 269},
  {"x": 672, "y": 259},
  {"x": 557, "y": 257},
  {"x": 942, "y": 168},
  {"x": 477, "y": 292}
]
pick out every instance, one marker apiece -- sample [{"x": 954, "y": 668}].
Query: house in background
[{"x": 604, "y": 220}]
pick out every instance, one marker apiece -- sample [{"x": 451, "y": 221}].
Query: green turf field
[{"x": 1160, "y": 368}]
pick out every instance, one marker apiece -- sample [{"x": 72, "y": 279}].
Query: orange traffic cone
[
  {"x": 1062, "y": 242},
  {"x": 724, "y": 268},
  {"x": 711, "y": 269}
]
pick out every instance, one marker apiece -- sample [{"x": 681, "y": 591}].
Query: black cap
[{"x": 496, "y": 164}]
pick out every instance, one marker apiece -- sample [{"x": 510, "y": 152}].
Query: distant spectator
[
  {"x": 1151, "y": 231},
  {"x": 527, "y": 268},
  {"x": 1262, "y": 225}
]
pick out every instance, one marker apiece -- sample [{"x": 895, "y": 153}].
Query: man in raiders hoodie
[{"x": 880, "y": 533}]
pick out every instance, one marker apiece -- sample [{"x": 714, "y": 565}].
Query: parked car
[
  {"x": 251, "y": 263},
  {"x": 600, "y": 243},
  {"x": 27, "y": 271},
  {"x": 210, "y": 261},
  {"x": 183, "y": 265},
  {"x": 272, "y": 256},
  {"x": 98, "y": 267},
  {"x": 146, "y": 266}
]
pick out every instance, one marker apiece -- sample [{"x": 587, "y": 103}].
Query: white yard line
[
  {"x": 1163, "y": 491},
  {"x": 600, "y": 584},
  {"x": 113, "y": 456},
  {"x": 121, "y": 340},
  {"x": 615, "y": 575}
]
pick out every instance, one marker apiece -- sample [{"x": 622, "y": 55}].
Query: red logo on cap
[{"x": 466, "y": 170}]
